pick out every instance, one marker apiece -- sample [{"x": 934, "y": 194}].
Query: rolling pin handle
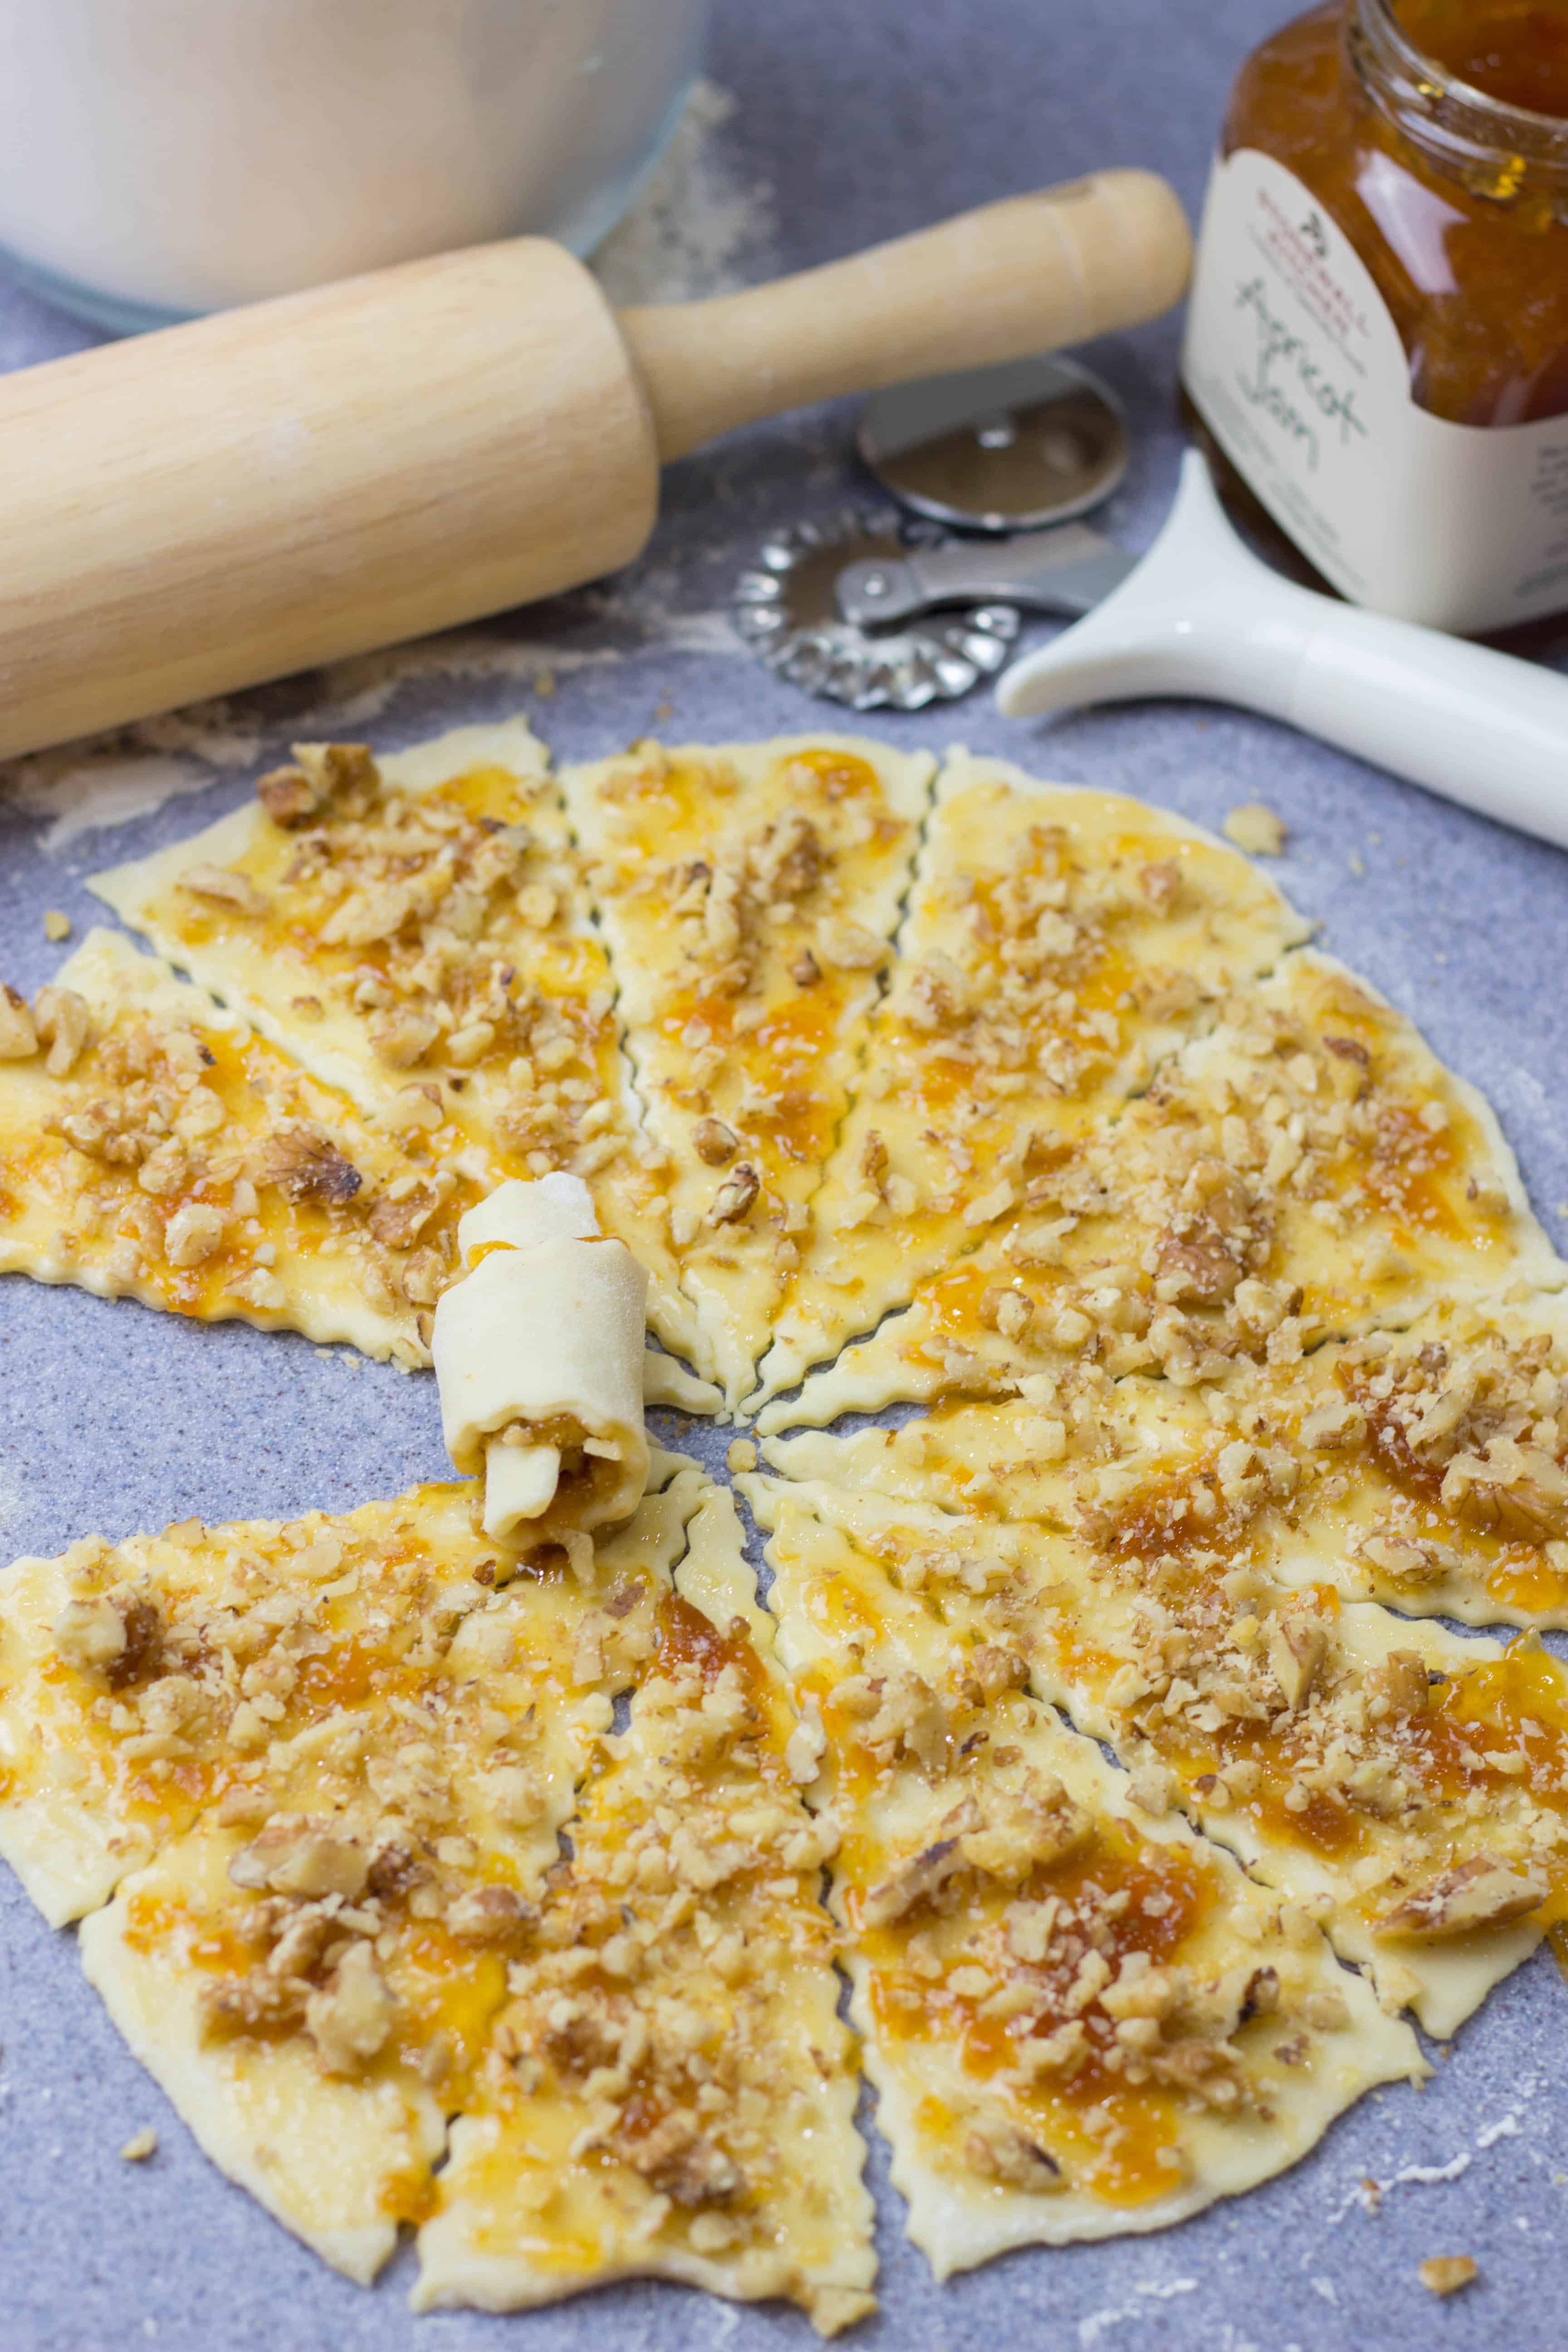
[{"x": 1027, "y": 275}]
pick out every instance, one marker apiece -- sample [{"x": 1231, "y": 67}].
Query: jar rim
[{"x": 1456, "y": 122}]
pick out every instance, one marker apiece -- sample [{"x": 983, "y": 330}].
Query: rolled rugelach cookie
[{"x": 538, "y": 1360}]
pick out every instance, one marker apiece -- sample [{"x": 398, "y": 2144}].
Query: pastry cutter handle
[
  {"x": 1202, "y": 615},
  {"x": 1067, "y": 570}
]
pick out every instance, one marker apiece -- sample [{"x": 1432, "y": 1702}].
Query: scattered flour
[
  {"x": 81, "y": 789},
  {"x": 1369, "y": 2194},
  {"x": 1100, "y": 2323},
  {"x": 701, "y": 227}
]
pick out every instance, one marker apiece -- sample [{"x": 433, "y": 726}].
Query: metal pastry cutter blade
[{"x": 786, "y": 608}]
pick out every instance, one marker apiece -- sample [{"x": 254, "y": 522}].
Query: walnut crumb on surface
[
  {"x": 144, "y": 2143},
  {"x": 1256, "y": 829},
  {"x": 1446, "y": 2273},
  {"x": 741, "y": 1454},
  {"x": 57, "y": 927}
]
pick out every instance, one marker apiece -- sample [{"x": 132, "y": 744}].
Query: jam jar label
[{"x": 1297, "y": 369}]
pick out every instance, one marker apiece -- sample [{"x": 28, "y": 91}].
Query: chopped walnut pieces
[
  {"x": 922, "y": 1876},
  {"x": 1398, "y": 1687},
  {"x": 489, "y": 1915},
  {"x": 18, "y": 1038},
  {"x": 1298, "y": 1648},
  {"x": 1160, "y": 883},
  {"x": 305, "y": 1164},
  {"x": 404, "y": 1036},
  {"x": 714, "y": 1142},
  {"x": 1446, "y": 2273},
  {"x": 424, "y": 1278},
  {"x": 192, "y": 1234},
  {"x": 398, "y": 1223},
  {"x": 348, "y": 2019},
  {"x": 1484, "y": 1892},
  {"x": 736, "y": 1196},
  {"x": 682, "y": 2164},
  {"x": 64, "y": 1025},
  {"x": 289, "y": 796},
  {"x": 1522, "y": 1490},
  {"x": 141, "y": 1652},
  {"x": 1000, "y": 2151},
  {"x": 299, "y": 1854},
  {"x": 221, "y": 887},
  {"x": 849, "y": 947},
  {"x": 91, "y": 1634}
]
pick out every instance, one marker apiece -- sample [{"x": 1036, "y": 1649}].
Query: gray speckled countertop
[{"x": 868, "y": 121}]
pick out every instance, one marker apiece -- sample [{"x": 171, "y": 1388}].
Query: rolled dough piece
[{"x": 539, "y": 1356}]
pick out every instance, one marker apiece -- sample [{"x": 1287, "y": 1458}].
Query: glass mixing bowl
[{"x": 167, "y": 157}]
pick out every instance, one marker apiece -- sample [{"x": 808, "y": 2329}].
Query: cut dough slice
[
  {"x": 1080, "y": 2020},
  {"x": 1425, "y": 1469},
  {"x": 414, "y": 931},
  {"x": 142, "y": 1684},
  {"x": 153, "y": 1147},
  {"x": 1058, "y": 943},
  {"x": 748, "y": 894},
  {"x": 670, "y": 2093},
  {"x": 1408, "y": 1786},
  {"x": 339, "y": 2156},
  {"x": 1307, "y": 1169},
  {"x": 349, "y": 1756}
]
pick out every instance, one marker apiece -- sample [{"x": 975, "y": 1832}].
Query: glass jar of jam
[{"x": 1378, "y": 334}]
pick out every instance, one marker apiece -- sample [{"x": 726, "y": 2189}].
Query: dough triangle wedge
[
  {"x": 1058, "y": 943},
  {"x": 153, "y": 1146},
  {"x": 306, "y": 1782},
  {"x": 1306, "y": 1169},
  {"x": 668, "y": 2092},
  {"x": 414, "y": 931},
  {"x": 1080, "y": 2021},
  {"x": 1407, "y": 1787},
  {"x": 748, "y": 894},
  {"x": 1426, "y": 1468}
]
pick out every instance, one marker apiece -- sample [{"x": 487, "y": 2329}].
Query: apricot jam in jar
[{"x": 1378, "y": 334}]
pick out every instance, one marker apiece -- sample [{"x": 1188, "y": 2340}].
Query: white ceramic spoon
[{"x": 1202, "y": 615}]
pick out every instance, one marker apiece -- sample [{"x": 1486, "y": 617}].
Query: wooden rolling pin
[{"x": 219, "y": 503}]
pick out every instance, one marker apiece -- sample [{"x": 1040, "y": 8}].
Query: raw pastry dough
[
  {"x": 1426, "y": 1468},
  {"x": 1057, "y": 944},
  {"x": 413, "y": 931},
  {"x": 1080, "y": 2020},
  {"x": 670, "y": 2093},
  {"x": 324, "y": 1766},
  {"x": 1305, "y": 1170},
  {"x": 538, "y": 1355},
  {"x": 153, "y": 1147},
  {"x": 748, "y": 893},
  {"x": 1408, "y": 1786}
]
